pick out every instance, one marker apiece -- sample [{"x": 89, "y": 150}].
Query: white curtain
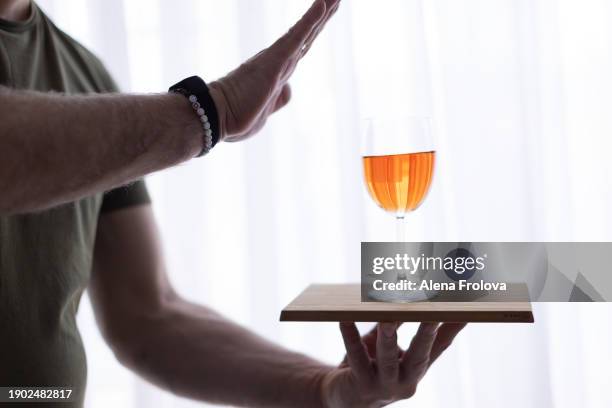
[{"x": 519, "y": 91}]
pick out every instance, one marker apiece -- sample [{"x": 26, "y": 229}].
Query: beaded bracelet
[{"x": 196, "y": 91}]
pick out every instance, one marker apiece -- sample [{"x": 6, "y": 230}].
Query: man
[{"x": 66, "y": 136}]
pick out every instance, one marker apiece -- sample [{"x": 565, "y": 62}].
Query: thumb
[{"x": 283, "y": 98}]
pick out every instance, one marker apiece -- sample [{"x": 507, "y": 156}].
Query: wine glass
[{"x": 398, "y": 161}]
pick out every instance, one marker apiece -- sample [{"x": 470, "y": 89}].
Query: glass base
[{"x": 402, "y": 297}]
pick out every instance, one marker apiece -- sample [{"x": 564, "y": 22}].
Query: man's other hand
[
  {"x": 248, "y": 95},
  {"x": 376, "y": 371}
]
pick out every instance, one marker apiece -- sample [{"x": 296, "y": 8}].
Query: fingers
[
  {"x": 446, "y": 334},
  {"x": 331, "y": 8},
  {"x": 293, "y": 41},
  {"x": 370, "y": 341},
  {"x": 356, "y": 353},
  {"x": 386, "y": 352},
  {"x": 394, "y": 377},
  {"x": 416, "y": 359}
]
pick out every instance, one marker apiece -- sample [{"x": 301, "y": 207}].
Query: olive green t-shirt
[{"x": 46, "y": 257}]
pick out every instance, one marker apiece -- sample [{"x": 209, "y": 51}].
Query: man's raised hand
[{"x": 259, "y": 87}]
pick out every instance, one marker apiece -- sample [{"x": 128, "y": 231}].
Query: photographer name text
[{"x": 430, "y": 285}]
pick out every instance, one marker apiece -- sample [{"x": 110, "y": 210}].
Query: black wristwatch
[{"x": 198, "y": 94}]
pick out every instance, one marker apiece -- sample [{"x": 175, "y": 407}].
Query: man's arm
[
  {"x": 180, "y": 346},
  {"x": 194, "y": 352},
  {"x": 57, "y": 148}
]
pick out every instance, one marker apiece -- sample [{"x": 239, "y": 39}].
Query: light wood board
[{"x": 342, "y": 302}]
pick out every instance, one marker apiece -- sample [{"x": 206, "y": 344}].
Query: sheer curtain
[{"x": 520, "y": 94}]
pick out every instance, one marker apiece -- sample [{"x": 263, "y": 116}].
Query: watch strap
[{"x": 197, "y": 92}]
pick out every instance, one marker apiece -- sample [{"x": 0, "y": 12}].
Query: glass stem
[{"x": 400, "y": 230}]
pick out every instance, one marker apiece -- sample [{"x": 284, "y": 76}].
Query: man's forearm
[
  {"x": 194, "y": 352},
  {"x": 56, "y": 148}
]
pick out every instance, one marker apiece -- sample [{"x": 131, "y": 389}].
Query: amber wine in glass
[
  {"x": 398, "y": 163},
  {"x": 398, "y": 183}
]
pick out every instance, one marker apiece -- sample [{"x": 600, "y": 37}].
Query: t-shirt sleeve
[{"x": 127, "y": 196}]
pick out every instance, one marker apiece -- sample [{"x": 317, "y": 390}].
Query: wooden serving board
[{"x": 342, "y": 302}]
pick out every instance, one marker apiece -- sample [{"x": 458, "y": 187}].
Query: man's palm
[{"x": 248, "y": 95}]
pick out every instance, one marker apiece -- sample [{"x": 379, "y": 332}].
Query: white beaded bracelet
[
  {"x": 205, "y": 122},
  {"x": 198, "y": 94}
]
